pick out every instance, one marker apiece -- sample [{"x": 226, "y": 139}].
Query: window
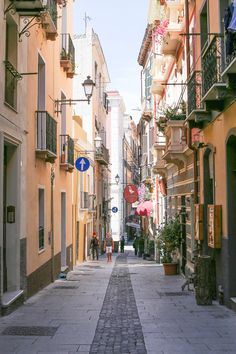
[
  {"x": 41, "y": 84},
  {"x": 204, "y": 25},
  {"x": 11, "y": 74},
  {"x": 41, "y": 218}
]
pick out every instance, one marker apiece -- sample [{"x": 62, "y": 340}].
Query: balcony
[
  {"x": 84, "y": 201},
  {"x": 176, "y": 143},
  {"x": 66, "y": 153},
  {"x": 46, "y": 147},
  {"x": 49, "y": 19},
  {"x": 67, "y": 57},
  {"x": 11, "y": 78},
  {"x": 27, "y": 7},
  {"x": 159, "y": 164},
  {"x": 214, "y": 89},
  {"x": 175, "y": 15},
  {"x": 196, "y": 108},
  {"x": 102, "y": 155},
  {"x": 160, "y": 73}
]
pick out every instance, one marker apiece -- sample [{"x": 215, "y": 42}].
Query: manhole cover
[
  {"x": 29, "y": 331},
  {"x": 92, "y": 266}
]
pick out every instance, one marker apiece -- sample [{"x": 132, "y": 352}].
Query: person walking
[
  {"x": 109, "y": 246},
  {"x": 122, "y": 244},
  {"x": 94, "y": 246}
]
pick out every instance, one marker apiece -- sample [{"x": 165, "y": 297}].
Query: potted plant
[{"x": 169, "y": 240}]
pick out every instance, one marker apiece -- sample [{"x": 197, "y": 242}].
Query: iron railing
[
  {"x": 84, "y": 200},
  {"x": 46, "y": 132},
  {"x": 41, "y": 238},
  {"x": 229, "y": 58},
  {"x": 67, "y": 49},
  {"x": 102, "y": 154},
  {"x": 66, "y": 150},
  {"x": 195, "y": 92},
  {"x": 11, "y": 78},
  {"x": 212, "y": 64}
]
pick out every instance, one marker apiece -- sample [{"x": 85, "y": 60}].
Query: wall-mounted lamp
[
  {"x": 98, "y": 142},
  {"x": 117, "y": 179},
  {"x": 88, "y": 86}
]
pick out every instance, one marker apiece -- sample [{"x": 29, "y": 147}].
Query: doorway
[
  {"x": 209, "y": 198},
  {"x": 11, "y": 240},
  {"x": 231, "y": 204},
  {"x": 63, "y": 229}
]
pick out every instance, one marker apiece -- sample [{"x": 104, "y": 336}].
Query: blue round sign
[
  {"x": 82, "y": 164},
  {"x": 114, "y": 209}
]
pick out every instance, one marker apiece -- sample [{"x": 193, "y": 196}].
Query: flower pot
[{"x": 170, "y": 268}]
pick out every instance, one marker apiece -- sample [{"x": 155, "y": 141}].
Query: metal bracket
[
  {"x": 59, "y": 103},
  {"x": 29, "y": 24}
]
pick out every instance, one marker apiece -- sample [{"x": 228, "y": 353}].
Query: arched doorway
[{"x": 231, "y": 212}]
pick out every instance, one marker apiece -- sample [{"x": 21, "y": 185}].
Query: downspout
[
  {"x": 195, "y": 152},
  {"x": 52, "y": 225}
]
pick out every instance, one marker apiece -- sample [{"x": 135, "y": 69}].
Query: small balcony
[
  {"x": 67, "y": 57},
  {"x": 66, "y": 153},
  {"x": 27, "y": 7},
  {"x": 172, "y": 39},
  {"x": 159, "y": 164},
  {"x": 84, "y": 200},
  {"x": 102, "y": 155},
  {"x": 176, "y": 143},
  {"x": 196, "y": 108},
  {"x": 214, "y": 89},
  {"x": 46, "y": 146},
  {"x": 160, "y": 73},
  {"x": 11, "y": 78},
  {"x": 49, "y": 20}
]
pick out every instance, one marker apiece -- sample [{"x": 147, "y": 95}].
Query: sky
[{"x": 120, "y": 25}]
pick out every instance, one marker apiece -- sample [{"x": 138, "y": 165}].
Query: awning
[
  {"x": 132, "y": 224},
  {"x": 145, "y": 208}
]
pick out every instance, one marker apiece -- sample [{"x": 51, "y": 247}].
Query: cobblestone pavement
[
  {"x": 119, "y": 329},
  {"x": 115, "y": 308}
]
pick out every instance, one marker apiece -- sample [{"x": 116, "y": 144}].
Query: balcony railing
[
  {"x": 41, "y": 238},
  {"x": 84, "y": 201},
  {"x": 11, "y": 78},
  {"x": 195, "y": 92},
  {"x": 67, "y": 152},
  {"x": 212, "y": 65},
  {"x": 67, "y": 59},
  {"x": 46, "y": 147},
  {"x": 102, "y": 155}
]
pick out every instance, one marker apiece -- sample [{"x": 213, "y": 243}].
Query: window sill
[
  {"x": 41, "y": 251},
  {"x": 10, "y": 107}
]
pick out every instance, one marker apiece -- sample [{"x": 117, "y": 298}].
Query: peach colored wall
[
  {"x": 38, "y": 170},
  {"x": 216, "y": 134}
]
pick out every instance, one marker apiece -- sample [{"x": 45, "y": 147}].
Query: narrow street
[{"x": 127, "y": 306}]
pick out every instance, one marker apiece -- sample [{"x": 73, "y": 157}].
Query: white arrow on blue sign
[
  {"x": 82, "y": 164},
  {"x": 114, "y": 209}
]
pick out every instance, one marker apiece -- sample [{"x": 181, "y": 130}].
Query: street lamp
[
  {"x": 98, "y": 142},
  {"x": 117, "y": 179},
  {"x": 88, "y": 86}
]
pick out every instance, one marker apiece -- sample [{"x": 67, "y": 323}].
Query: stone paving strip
[{"x": 119, "y": 330}]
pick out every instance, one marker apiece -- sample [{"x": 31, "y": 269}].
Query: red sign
[{"x": 131, "y": 193}]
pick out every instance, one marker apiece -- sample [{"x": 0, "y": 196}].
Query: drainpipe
[
  {"x": 195, "y": 175},
  {"x": 52, "y": 224}
]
